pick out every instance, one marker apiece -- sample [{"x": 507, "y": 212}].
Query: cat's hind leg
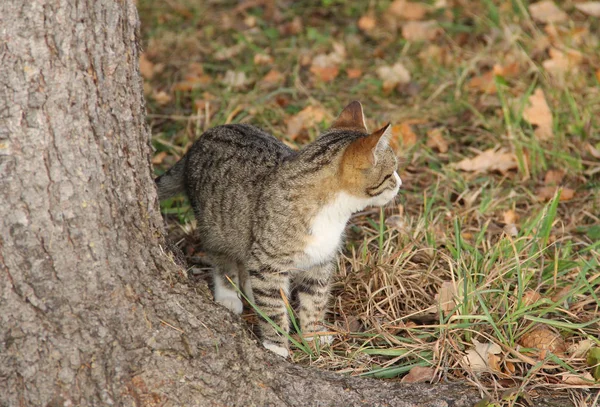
[
  {"x": 225, "y": 293},
  {"x": 268, "y": 285}
]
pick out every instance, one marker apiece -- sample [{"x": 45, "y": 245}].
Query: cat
[{"x": 271, "y": 218}]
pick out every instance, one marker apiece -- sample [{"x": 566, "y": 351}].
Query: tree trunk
[{"x": 93, "y": 312}]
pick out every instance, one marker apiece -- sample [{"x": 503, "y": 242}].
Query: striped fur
[{"x": 271, "y": 219}]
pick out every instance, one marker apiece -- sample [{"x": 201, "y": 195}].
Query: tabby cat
[{"x": 271, "y": 219}]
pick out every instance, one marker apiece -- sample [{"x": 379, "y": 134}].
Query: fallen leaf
[
  {"x": 396, "y": 222},
  {"x": 159, "y": 157},
  {"x": 326, "y": 66},
  {"x": 543, "y": 339},
  {"x": 146, "y": 67},
  {"x": 419, "y": 374},
  {"x": 308, "y": 117},
  {"x": 562, "y": 63},
  {"x": 538, "y": 114},
  {"x": 547, "y": 12},
  {"x": 229, "y": 52},
  {"x": 598, "y": 75},
  {"x": 367, "y": 22},
  {"x": 421, "y": 30},
  {"x": 591, "y": 8},
  {"x": 194, "y": 78},
  {"x": 435, "y": 140},
  {"x": 354, "y": 73},
  {"x": 293, "y": 27},
  {"x": 446, "y": 296},
  {"x": 478, "y": 357},
  {"x": 262, "y": 59},
  {"x": 530, "y": 297},
  {"x": 584, "y": 379},
  {"x": 161, "y": 97},
  {"x": 554, "y": 177},
  {"x": 490, "y": 160},
  {"x": 274, "y": 77},
  {"x": 486, "y": 83},
  {"x": 408, "y": 10},
  {"x": 404, "y": 133},
  {"x": 581, "y": 348},
  {"x": 235, "y": 79},
  {"x": 494, "y": 362},
  {"x": 547, "y": 193},
  {"x": 510, "y": 216},
  {"x": 562, "y": 293},
  {"x": 393, "y": 76}
]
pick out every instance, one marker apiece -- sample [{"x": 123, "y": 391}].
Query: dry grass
[{"x": 448, "y": 234}]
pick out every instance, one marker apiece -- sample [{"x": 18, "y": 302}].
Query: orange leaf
[
  {"x": 543, "y": 339},
  {"x": 146, "y": 67},
  {"x": 367, "y": 22},
  {"x": 419, "y": 374},
  {"x": 547, "y": 193},
  {"x": 554, "y": 177},
  {"x": 547, "y": 12},
  {"x": 159, "y": 157},
  {"x": 308, "y": 117},
  {"x": 404, "y": 132},
  {"x": 408, "y": 10},
  {"x": 274, "y": 77},
  {"x": 354, "y": 73},
  {"x": 436, "y": 140},
  {"x": 538, "y": 113},
  {"x": 326, "y": 74}
]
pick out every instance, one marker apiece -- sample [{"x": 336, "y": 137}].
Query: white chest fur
[{"x": 327, "y": 228}]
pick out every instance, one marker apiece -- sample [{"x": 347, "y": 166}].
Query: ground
[{"x": 486, "y": 268}]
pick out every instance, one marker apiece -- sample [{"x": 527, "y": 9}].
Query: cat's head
[{"x": 369, "y": 166}]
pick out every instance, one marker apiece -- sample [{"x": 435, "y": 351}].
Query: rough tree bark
[{"x": 92, "y": 310}]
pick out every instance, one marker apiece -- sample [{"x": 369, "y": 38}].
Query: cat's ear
[
  {"x": 351, "y": 118},
  {"x": 364, "y": 152},
  {"x": 379, "y": 141}
]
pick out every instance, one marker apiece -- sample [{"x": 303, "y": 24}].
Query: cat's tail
[{"x": 172, "y": 181}]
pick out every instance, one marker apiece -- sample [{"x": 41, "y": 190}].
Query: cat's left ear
[
  {"x": 379, "y": 141},
  {"x": 351, "y": 118}
]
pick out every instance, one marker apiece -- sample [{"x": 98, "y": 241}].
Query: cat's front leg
[
  {"x": 312, "y": 291},
  {"x": 268, "y": 285}
]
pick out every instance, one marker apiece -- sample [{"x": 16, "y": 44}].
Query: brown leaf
[
  {"x": 446, "y": 296},
  {"x": 274, "y": 77},
  {"x": 262, "y": 59},
  {"x": 490, "y": 160},
  {"x": 478, "y": 358},
  {"x": 159, "y": 157},
  {"x": 538, "y": 113},
  {"x": 547, "y": 12},
  {"x": 591, "y": 8},
  {"x": 547, "y": 193},
  {"x": 562, "y": 293},
  {"x": 161, "y": 97},
  {"x": 510, "y": 216},
  {"x": 421, "y": 30},
  {"x": 354, "y": 73},
  {"x": 194, "y": 78},
  {"x": 554, "y": 177},
  {"x": 367, "y": 22},
  {"x": 325, "y": 73},
  {"x": 544, "y": 339},
  {"x": 146, "y": 67},
  {"x": 530, "y": 297},
  {"x": 435, "y": 140},
  {"x": 584, "y": 379},
  {"x": 419, "y": 374},
  {"x": 308, "y": 117},
  {"x": 403, "y": 132},
  {"x": 393, "y": 76},
  {"x": 408, "y": 10},
  {"x": 486, "y": 83},
  {"x": 598, "y": 74},
  {"x": 235, "y": 79},
  {"x": 229, "y": 52},
  {"x": 562, "y": 63}
]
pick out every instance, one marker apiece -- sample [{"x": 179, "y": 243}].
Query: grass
[{"x": 447, "y": 235}]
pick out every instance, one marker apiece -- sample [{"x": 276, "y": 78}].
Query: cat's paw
[
  {"x": 277, "y": 349},
  {"x": 232, "y": 302}
]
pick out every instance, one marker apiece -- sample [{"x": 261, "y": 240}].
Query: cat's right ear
[
  {"x": 351, "y": 118},
  {"x": 364, "y": 152}
]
